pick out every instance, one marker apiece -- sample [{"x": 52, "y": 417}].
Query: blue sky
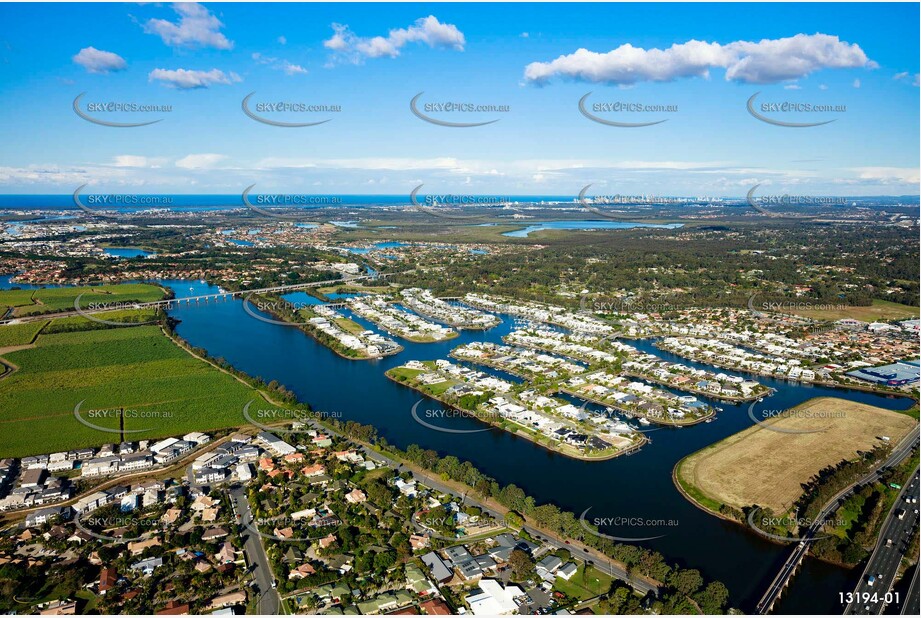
[{"x": 372, "y": 59}]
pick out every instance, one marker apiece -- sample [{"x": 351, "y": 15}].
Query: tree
[{"x": 521, "y": 564}]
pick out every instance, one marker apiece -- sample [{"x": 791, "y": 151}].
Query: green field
[
  {"x": 20, "y": 334},
  {"x": 163, "y": 389},
  {"x": 47, "y": 300},
  {"x": 585, "y": 584}
]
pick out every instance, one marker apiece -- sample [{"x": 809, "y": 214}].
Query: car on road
[{"x": 871, "y": 579}]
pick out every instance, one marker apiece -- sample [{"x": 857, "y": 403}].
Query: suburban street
[
  {"x": 257, "y": 561},
  {"x": 602, "y": 562},
  {"x": 894, "y": 540}
]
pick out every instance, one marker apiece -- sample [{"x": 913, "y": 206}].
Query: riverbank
[
  {"x": 767, "y": 464},
  {"x": 271, "y": 306},
  {"x": 560, "y": 449}
]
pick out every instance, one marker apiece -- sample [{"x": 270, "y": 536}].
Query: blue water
[
  {"x": 241, "y": 243},
  {"x": 584, "y": 225},
  {"x": 127, "y": 253},
  {"x": 638, "y": 485},
  {"x": 376, "y": 246}
]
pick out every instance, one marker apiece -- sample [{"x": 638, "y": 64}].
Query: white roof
[{"x": 494, "y": 600}]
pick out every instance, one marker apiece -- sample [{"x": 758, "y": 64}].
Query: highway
[
  {"x": 269, "y": 602},
  {"x": 883, "y": 565},
  {"x": 779, "y": 583}
]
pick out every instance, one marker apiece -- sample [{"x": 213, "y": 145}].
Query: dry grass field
[
  {"x": 879, "y": 310},
  {"x": 765, "y": 467}
]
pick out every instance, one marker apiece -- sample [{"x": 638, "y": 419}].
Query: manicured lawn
[
  {"x": 584, "y": 584},
  {"x": 162, "y": 389}
]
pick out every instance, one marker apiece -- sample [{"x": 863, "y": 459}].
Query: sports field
[
  {"x": 161, "y": 388},
  {"x": 760, "y": 466}
]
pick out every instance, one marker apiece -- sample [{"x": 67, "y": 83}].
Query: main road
[
  {"x": 766, "y": 604},
  {"x": 883, "y": 566}
]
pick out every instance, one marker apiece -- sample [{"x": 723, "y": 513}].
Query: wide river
[{"x": 639, "y": 485}]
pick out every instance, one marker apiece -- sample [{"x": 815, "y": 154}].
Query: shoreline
[
  {"x": 304, "y": 327},
  {"x": 526, "y": 436}
]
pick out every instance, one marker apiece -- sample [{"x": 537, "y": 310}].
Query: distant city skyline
[{"x": 532, "y": 64}]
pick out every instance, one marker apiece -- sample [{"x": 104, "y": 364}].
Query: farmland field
[
  {"x": 19, "y": 334},
  {"x": 163, "y": 390},
  {"x": 759, "y": 466},
  {"x": 46, "y": 300},
  {"x": 879, "y": 310}
]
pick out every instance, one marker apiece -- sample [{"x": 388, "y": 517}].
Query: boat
[{"x": 644, "y": 421}]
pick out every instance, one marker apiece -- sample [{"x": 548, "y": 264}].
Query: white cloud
[
  {"x": 524, "y": 35},
  {"x": 823, "y": 87},
  {"x": 889, "y": 175},
  {"x": 856, "y": 83},
  {"x": 283, "y": 40},
  {"x": 196, "y": 27},
  {"x": 187, "y": 79},
  {"x": 135, "y": 161},
  {"x": 426, "y": 30},
  {"x": 200, "y": 161},
  {"x": 98, "y": 61},
  {"x": 286, "y": 67},
  {"x": 764, "y": 62},
  {"x": 792, "y": 87},
  {"x": 905, "y": 76}
]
